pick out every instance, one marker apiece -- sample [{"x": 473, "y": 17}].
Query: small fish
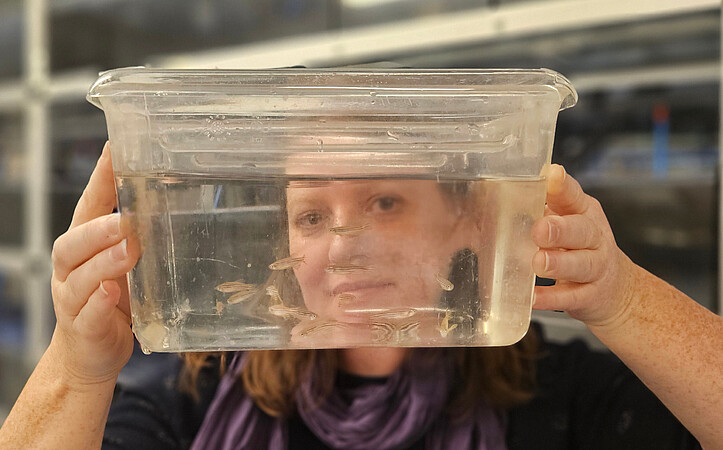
[
  {"x": 345, "y": 299},
  {"x": 405, "y": 330},
  {"x": 235, "y": 286},
  {"x": 444, "y": 283},
  {"x": 386, "y": 331},
  {"x": 291, "y": 262},
  {"x": 273, "y": 292},
  {"x": 383, "y": 331},
  {"x": 240, "y": 296},
  {"x": 348, "y": 230},
  {"x": 395, "y": 313},
  {"x": 444, "y": 327},
  {"x": 345, "y": 268},
  {"x": 321, "y": 327},
  {"x": 290, "y": 312},
  {"x": 219, "y": 308}
]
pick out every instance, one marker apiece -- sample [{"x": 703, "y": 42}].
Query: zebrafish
[
  {"x": 390, "y": 332},
  {"x": 273, "y": 292},
  {"x": 444, "y": 283},
  {"x": 291, "y": 262},
  {"x": 321, "y": 327},
  {"x": 444, "y": 327},
  {"x": 406, "y": 329},
  {"x": 345, "y": 268},
  {"x": 291, "y": 312},
  {"x": 395, "y": 313},
  {"x": 383, "y": 331},
  {"x": 235, "y": 286},
  {"x": 240, "y": 296},
  {"x": 241, "y": 291},
  {"x": 348, "y": 230}
]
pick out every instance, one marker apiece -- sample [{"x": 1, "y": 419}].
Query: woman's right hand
[{"x": 93, "y": 339}]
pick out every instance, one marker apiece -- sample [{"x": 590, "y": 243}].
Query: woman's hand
[
  {"x": 577, "y": 248},
  {"x": 92, "y": 339},
  {"x": 671, "y": 342}
]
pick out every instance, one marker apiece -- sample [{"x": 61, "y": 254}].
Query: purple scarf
[{"x": 388, "y": 415}]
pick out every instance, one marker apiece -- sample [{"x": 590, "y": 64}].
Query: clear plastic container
[{"x": 331, "y": 208}]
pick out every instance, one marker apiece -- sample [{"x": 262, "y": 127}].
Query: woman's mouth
[{"x": 359, "y": 287}]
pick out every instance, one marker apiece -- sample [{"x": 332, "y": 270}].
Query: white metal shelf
[
  {"x": 11, "y": 96},
  {"x": 645, "y": 77},
  {"x": 449, "y": 30},
  {"x": 12, "y": 259}
]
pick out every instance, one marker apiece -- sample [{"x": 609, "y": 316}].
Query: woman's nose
[{"x": 350, "y": 239}]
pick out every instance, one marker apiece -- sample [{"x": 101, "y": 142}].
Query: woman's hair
[{"x": 501, "y": 376}]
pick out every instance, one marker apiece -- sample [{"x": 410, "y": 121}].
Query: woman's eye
[
  {"x": 309, "y": 220},
  {"x": 386, "y": 204}
]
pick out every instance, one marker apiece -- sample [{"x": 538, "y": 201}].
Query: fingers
[
  {"x": 81, "y": 243},
  {"x": 564, "y": 194},
  {"x": 109, "y": 264},
  {"x": 568, "y": 232},
  {"x": 563, "y": 297},
  {"x": 96, "y": 316},
  {"x": 580, "y": 266},
  {"x": 99, "y": 197}
]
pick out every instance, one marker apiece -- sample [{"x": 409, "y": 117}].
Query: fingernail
[
  {"x": 547, "y": 262},
  {"x": 113, "y": 225},
  {"x": 120, "y": 251},
  {"x": 102, "y": 289},
  {"x": 552, "y": 232}
]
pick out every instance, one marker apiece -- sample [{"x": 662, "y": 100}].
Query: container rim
[{"x": 139, "y": 80}]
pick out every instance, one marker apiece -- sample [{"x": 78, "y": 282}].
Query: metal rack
[{"x": 39, "y": 90}]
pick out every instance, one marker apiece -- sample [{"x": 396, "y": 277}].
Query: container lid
[{"x": 139, "y": 81}]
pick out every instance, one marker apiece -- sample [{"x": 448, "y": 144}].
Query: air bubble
[
  {"x": 145, "y": 350},
  {"x": 392, "y": 135}
]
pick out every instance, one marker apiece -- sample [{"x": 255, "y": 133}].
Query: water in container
[{"x": 316, "y": 218}]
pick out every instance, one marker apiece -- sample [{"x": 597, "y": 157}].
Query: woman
[{"x": 669, "y": 341}]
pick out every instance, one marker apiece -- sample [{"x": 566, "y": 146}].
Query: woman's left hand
[{"x": 578, "y": 250}]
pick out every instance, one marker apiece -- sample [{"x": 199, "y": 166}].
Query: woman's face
[{"x": 371, "y": 244}]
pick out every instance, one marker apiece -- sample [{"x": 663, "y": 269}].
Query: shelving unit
[{"x": 558, "y": 30}]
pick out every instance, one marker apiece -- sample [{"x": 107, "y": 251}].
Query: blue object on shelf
[{"x": 661, "y": 140}]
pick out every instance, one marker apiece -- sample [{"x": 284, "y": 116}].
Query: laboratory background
[{"x": 643, "y": 138}]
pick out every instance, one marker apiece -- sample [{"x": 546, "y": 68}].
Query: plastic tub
[{"x": 331, "y": 208}]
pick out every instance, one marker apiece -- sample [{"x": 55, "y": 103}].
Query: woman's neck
[{"x": 372, "y": 361}]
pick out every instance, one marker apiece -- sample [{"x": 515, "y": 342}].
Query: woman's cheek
[{"x": 311, "y": 272}]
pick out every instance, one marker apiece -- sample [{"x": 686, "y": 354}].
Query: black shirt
[{"x": 585, "y": 400}]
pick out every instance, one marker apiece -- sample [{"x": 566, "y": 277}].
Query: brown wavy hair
[{"x": 501, "y": 376}]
